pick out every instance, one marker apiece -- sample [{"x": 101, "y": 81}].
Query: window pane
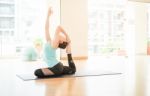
[{"x": 6, "y": 9}]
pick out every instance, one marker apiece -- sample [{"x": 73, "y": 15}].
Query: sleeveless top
[{"x": 50, "y": 55}]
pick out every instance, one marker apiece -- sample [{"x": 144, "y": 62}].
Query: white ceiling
[{"x": 144, "y": 1}]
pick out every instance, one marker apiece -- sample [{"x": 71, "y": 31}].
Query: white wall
[
  {"x": 140, "y": 28},
  {"x": 74, "y": 19}
]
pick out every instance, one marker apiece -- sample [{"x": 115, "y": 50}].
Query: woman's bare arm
[
  {"x": 47, "y": 35},
  {"x": 65, "y": 33},
  {"x": 68, "y": 48}
]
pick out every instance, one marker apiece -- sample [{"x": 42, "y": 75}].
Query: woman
[{"x": 61, "y": 40}]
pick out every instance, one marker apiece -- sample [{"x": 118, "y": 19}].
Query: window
[
  {"x": 7, "y": 25},
  {"x": 106, "y": 34},
  {"x": 22, "y": 22}
]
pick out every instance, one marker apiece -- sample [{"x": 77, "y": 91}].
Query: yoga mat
[{"x": 27, "y": 77}]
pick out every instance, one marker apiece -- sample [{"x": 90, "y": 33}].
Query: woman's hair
[{"x": 63, "y": 45}]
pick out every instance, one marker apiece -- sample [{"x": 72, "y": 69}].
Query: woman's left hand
[{"x": 50, "y": 12}]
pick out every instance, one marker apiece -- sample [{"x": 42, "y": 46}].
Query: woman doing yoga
[{"x": 61, "y": 40}]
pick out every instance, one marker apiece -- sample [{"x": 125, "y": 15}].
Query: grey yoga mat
[{"x": 27, "y": 77}]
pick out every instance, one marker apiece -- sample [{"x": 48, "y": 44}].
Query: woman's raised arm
[{"x": 47, "y": 35}]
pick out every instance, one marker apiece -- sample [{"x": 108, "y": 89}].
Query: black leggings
[{"x": 58, "y": 70}]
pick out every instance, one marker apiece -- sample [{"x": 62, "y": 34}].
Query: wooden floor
[{"x": 134, "y": 81}]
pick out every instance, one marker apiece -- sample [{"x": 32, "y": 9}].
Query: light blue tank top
[{"x": 50, "y": 55}]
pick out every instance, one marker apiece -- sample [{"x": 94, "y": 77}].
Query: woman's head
[
  {"x": 63, "y": 45},
  {"x": 62, "y": 41}
]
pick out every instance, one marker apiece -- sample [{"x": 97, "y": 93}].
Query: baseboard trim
[{"x": 75, "y": 58}]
